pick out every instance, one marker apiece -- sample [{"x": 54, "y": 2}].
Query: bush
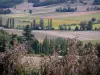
[{"x": 77, "y": 28}]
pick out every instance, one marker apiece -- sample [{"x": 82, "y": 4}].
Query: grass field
[
  {"x": 84, "y": 17},
  {"x": 92, "y": 41}
]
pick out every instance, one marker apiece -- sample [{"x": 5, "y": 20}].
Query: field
[
  {"x": 81, "y": 35},
  {"x": 21, "y": 13},
  {"x": 56, "y": 21}
]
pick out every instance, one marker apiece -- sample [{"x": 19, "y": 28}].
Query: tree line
[
  {"x": 96, "y": 2},
  {"x": 5, "y": 11},
  {"x": 47, "y": 2},
  {"x": 84, "y": 25},
  {"x": 9, "y": 3},
  {"x": 69, "y": 9}
]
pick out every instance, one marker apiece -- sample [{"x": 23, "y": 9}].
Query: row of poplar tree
[{"x": 34, "y": 25}]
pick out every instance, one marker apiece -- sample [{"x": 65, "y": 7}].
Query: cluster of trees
[
  {"x": 41, "y": 25},
  {"x": 93, "y": 8},
  {"x": 33, "y": 1},
  {"x": 7, "y": 40},
  {"x": 69, "y": 9},
  {"x": 34, "y": 25},
  {"x": 5, "y": 11},
  {"x": 96, "y": 2},
  {"x": 10, "y": 23},
  {"x": 48, "y": 2},
  {"x": 86, "y": 26},
  {"x": 48, "y": 46},
  {"x": 83, "y": 26},
  {"x": 9, "y": 3}
]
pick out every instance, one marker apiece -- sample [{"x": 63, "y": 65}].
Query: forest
[{"x": 9, "y": 3}]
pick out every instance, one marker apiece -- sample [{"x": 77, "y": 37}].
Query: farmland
[{"x": 56, "y": 21}]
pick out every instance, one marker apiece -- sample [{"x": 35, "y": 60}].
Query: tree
[
  {"x": 30, "y": 11},
  {"x": 8, "y": 21},
  {"x": 89, "y": 25},
  {"x": 97, "y": 2},
  {"x": 34, "y": 24},
  {"x": 4, "y": 41},
  {"x": 9, "y": 3},
  {"x": 83, "y": 25},
  {"x": 35, "y": 47},
  {"x": 27, "y": 33},
  {"x": 45, "y": 46},
  {"x": 0, "y": 21},
  {"x": 13, "y": 22},
  {"x": 76, "y": 28},
  {"x": 98, "y": 48},
  {"x": 93, "y": 19},
  {"x": 50, "y": 23},
  {"x": 8, "y": 11},
  {"x": 42, "y": 23},
  {"x": 69, "y": 28}
]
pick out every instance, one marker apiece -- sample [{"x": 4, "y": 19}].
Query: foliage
[
  {"x": 7, "y": 41},
  {"x": 83, "y": 25},
  {"x": 30, "y": 11},
  {"x": 27, "y": 33},
  {"x": 89, "y": 26},
  {"x": 48, "y": 2},
  {"x": 0, "y": 21},
  {"x": 9, "y": 3},
  {"x": 10, "y": 23},
  {"x": 77, "y": 28},
  {"x": 42, "y": 23},
  {"x": 4, "y": 41},
  {"x": 78, "y": 60},
  {"x": 5, "y": 11},
  {"x": 97, "y": 2},
  {"x": 69, "y": 9}
]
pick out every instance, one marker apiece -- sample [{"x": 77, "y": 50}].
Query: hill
[{"x": 9, "y": 3}]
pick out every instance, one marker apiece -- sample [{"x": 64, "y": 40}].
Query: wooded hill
[{"x": 9, "y": 3}]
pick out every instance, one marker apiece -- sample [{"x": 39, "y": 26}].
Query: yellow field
[{"x": 55, "y": 22}]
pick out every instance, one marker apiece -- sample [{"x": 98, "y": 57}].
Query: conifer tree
[
  {"x": 50, "y": 23},
  {"x": 45, "y": 46},
  {"x": 34, "y": 24},
  {"x": 8, "y": 23},
  {"x": 42, "y": 23},
  {"x": 27, "y": 33},
  {"x": 89, "y": 25}
]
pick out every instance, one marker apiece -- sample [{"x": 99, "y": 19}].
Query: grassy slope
[
  {"x": 92, "y": 41},
  {"x": 84, "y": 17}
]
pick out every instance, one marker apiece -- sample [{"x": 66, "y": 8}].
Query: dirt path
[
  {"x": 82, "y": 35},
  {"x": 60, "y": 15}
]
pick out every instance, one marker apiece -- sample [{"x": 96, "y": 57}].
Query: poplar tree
[
  {"x": 34, "y": 24},
  {"x": 0, "y": 21},
  {"x": 42, "y": 23}
]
